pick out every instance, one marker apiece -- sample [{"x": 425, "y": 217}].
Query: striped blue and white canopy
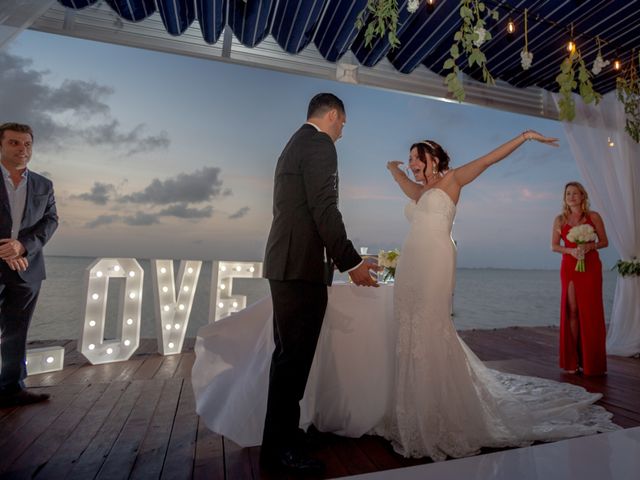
[{"x": 425, "y": 36}]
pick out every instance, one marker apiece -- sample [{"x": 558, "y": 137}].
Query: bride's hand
[
  {"x": 394, "y": 165},
  {"x": 533, "y": 135}
]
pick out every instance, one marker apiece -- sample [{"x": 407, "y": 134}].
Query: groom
[{"x": 307, "y": 238}]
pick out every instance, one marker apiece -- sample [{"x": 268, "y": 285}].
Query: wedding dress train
[{"x": 446, "y": 402}]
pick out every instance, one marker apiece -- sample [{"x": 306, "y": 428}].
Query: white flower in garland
[
  {"x": 413, "y": 5},
  {"x": 599, "y": 64},
  {"x": 482, "y": 36},
  {"x": 526, "y": 59}
]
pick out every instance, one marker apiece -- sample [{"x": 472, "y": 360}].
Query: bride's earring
[{"x": 434, "y": 168}]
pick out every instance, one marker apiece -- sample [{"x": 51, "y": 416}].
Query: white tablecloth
[{"x": 351, "y": 377}]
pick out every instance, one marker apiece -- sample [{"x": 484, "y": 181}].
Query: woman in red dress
[{"x": 582, "y": 329}]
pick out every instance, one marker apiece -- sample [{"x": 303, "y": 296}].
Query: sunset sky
[{"x": 161, "y": 156}]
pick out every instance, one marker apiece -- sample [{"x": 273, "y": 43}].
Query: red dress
[{"x": 589, "y": 353}]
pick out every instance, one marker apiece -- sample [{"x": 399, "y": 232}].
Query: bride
[{"x": 445, "y": 401}]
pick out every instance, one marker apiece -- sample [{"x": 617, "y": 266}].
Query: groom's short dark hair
[{"x": 322, "y": 103}]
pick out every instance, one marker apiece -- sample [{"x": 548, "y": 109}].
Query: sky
[{"x": 155, "y": 155}]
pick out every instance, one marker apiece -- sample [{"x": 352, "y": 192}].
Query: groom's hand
[{"x": 362, "y": 277}]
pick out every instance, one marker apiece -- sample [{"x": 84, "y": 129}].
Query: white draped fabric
[
  {"x": 612, "y": 178},
  {"x": 350, "y": 382},
  {"x": 18, "y": 15}
]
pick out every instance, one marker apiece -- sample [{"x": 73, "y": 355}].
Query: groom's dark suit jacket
[
  {"x": 306, "y": 219},
  {"x": 39, "y": 221}
]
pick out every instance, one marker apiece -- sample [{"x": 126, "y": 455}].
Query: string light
[
  {"x": 610, "y": 142},
  {"x": 617, "y": 64},
  {"x": 511, "y": 27}
]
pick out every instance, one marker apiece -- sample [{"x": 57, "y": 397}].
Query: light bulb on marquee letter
[
  {"x": 169, "y": 309},
  {"x": 92, "y": 343},
  {"x": 223, "y": 302}
]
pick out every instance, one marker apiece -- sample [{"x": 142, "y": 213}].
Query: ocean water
[{"x": 483, "y": 298}]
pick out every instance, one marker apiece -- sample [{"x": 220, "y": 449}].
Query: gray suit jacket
[
  {"x": 39, "y": 221},
  {"x": 306, "y": 219}
]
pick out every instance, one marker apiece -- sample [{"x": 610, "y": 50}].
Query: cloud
[
  {"x": 141, "y": 219},
  {"x": 181, "y": 210},
  {"x": 100, "y": 193},
  {"x": 239, "y": 214},
  {"x": 527, "y": 194},
  {"x": 199, "y": 186},
  {"x": 102, "y": 220},
  {"x": 137, "y": 220},
  {"x": 112, "y": 134},
  {"x": 26, "y": 97}
]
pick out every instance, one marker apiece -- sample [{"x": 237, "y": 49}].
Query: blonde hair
[{"x": 566, "y": 210}]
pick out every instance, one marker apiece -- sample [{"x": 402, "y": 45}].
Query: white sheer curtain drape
[
  {"x": 612, "y": 178},
  {"x": 18, "y": 15}
]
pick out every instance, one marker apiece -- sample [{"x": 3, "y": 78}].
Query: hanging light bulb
[
  {"x": 617, "y": 64},
  {"x": 571, "y": 46},
  {"x": 610, "y": 142},
  {"x": 511, "y": 27},
  {"x": 431, "y": 3}
]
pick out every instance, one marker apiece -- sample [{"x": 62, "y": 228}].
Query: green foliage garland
[
  {"x": 628, "y": 93},
  {"x": 384, "y": 14},
  {"x": 566, "y": 79},
  {"x": 471, "y": 29},
  {"x": 467, "y": 42}
]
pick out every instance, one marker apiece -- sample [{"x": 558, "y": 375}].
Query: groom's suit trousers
[{"x": 298, "y": 310}]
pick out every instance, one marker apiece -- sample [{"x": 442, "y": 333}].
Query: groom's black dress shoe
[
  {"x": 311, "y": 439},
  {"x": 292, "y": 461},
  {"x": 21, "y": 397}
]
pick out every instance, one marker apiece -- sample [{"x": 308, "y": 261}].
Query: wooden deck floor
[{"x": 136, "y": 419}]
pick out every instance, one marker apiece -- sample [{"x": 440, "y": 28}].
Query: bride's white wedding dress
[{"x": 445, "y": 401}]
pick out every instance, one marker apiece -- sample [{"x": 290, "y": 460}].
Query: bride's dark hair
[{"x": 435, "y": 150}]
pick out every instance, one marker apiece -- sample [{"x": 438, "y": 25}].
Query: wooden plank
[
  {"x": 168, "y": 368},
  {"x": 107, "y": 372},
  {"x": 129, "y": 370},
  {"x": 6, "y": 412},
  {"x": 46, "y": 444},
  {"x": 237, "y": 461},
  {"x": 182, "y": 445},
  {"x": 122, "y": 455},
  {"x": 209, "y": 461},
  {"x": 149, "y": 368},
  {"x": 185, "y": 366},
  {"x": 93, "y": 457},
  {"x": 51, "y": 378},
  {"x": 79, "y": 440},
  {"x": 355, "y": 460},
  {"x": 152, "y": 452},
  {"x": 12, "y": 446},
  {"x": 380, "y": 453},
  {"x": 18, "y": 417}
]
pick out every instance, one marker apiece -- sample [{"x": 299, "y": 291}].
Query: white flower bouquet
[
  {"x": 581, "y": 234},
  {"x": 388, "y": 260}
]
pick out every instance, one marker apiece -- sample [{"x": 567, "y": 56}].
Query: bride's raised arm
[
  {"x": 470, "y": 171},
  {"x": 410, "y": 188}
]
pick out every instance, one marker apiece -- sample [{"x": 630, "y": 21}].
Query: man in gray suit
[
  {"x": 28, "y": 219},
  {"x": 307, "y": 238}
]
